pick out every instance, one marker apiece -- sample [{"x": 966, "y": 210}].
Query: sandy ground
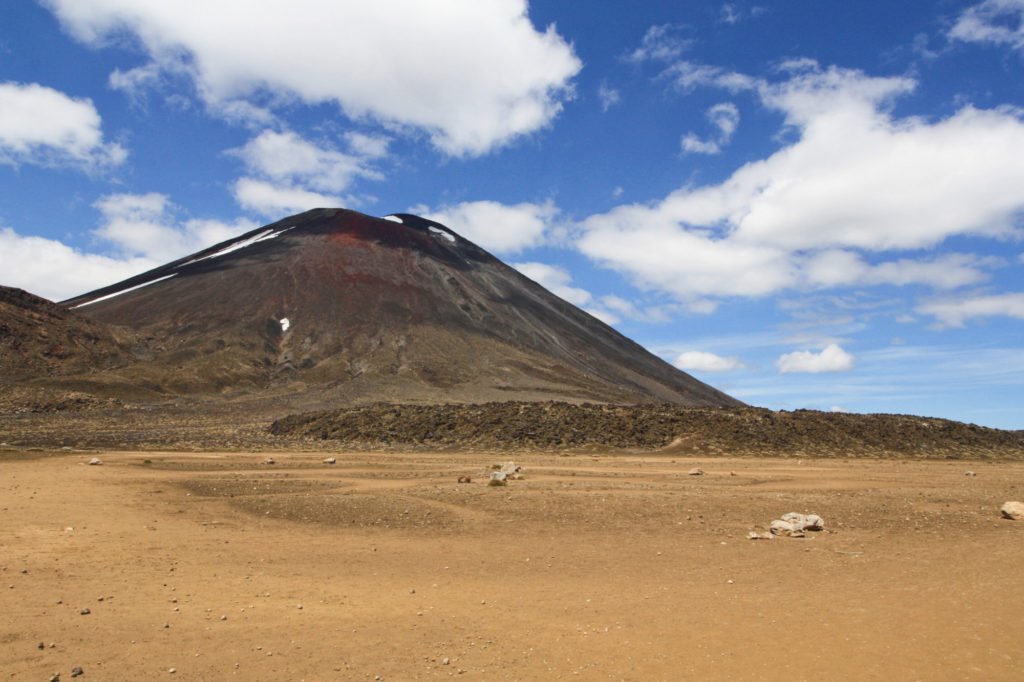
[{"x": 216, "y": 566}]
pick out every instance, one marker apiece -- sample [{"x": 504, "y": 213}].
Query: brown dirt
[{"x": 596, "y": 566}]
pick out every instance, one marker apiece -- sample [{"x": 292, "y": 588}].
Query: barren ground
[{"x": 592, "y": 567}]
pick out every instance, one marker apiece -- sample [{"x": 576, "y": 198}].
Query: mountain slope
[
  {"x": 340, "y": 307},
  {"x": 39, "y": 338}
]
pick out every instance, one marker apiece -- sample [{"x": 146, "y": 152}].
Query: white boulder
[
  {"x": 1013, "y": 510},
  {"x": 794, "y": 524}
]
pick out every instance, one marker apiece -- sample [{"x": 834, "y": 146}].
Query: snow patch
[
  {"x": 394, "y": 219},
  {"x": 441, "y": 233},
  {"x": 258, "y": 237},
  {"x": 125, "y": 291},
  {"x": 285, "y": 324}
]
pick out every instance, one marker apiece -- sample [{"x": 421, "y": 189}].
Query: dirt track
[{"x": 593, "y": 567}]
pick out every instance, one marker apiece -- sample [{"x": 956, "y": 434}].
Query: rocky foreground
[{"x": 733, "y": 431}]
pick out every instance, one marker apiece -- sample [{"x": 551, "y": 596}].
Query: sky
[{"x": 805, "y": 203}]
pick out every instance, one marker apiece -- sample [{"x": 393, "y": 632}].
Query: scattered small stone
[
  {"x": 970, "y": 473},
  {"x": 95, "y": 461},
  {"x": 330, "y": 460},
  {"x": 696, "y": 471},
  {"x": 268, "y": 460},
  {"x": 42, "y": 645},
  {"x": 1013, "y": 511},
  {"x": 754, "y": 535},
  {"x": 55, "y": 677},
  {"x": 85, "y": 612},
  {"x": 445, "y": 661},
  {"x": 223, "y": 617},
  {"x": 465, "y": 479},
  {"x": 172, "y": 670},
  {"x": 77, "y": 671}
]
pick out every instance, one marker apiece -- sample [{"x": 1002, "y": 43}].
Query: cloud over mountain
[{"x": 472, "y": 75}]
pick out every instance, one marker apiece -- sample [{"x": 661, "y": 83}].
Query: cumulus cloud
[
  {"x": 473, "y": 75},
  {"x": 272, "y": 200},
  {"x": 42, "y": 126},
  {"x": 702, "y": 361},
  {"x": 494, "y": 226},
  {"x": 955, "y": 312},
  {"x": 147, "y": 226},
  {"x": 832, "y": 358},
  {"x": 855, "y": 181},
  {"x": 556, "y": 280},
  {"x": 143, "y": 231},
  {"x": 999, "y": 22},
  {"x": 287, "y": 157},
  {"x": 725, "y": 117},
  {"x": 835, "y": 268},
  {"x": 292, "y": 174},
  {"x": 53, "y": 270}
]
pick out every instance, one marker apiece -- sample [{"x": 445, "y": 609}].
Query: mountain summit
[{"x": 341, "y": 307}]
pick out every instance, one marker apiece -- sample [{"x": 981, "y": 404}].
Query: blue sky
[{"x": 807, "y": 204}]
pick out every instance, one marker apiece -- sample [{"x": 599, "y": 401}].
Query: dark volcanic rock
[
  {"x": 334, "y": 307},
  {"x": 744, "y": 431},
  {"x": 41, "y": 338}
]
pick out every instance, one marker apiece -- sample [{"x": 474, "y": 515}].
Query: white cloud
[
  {"x": 955, "y": 312},
  {"x": 556, "y": 280},
  {"x": 656, "y": 253},
  {"x": 474, "y": 75},
  {"x": 609, "y": 96},
  {"x": 145, "y": 225},
  {"x": 293, "y": 174},
  {"x": 855, "y": 180},
  {"x": 287, "y": 157},
  {"x": 724, "y": 116},
  {"x": 53, "y": 270},
  {"x": 143, "y": 229},
  {"x": 660, "y": 43},
  {"x": 494, "y": 226},
  {"x": 42, "y": 126},
  {"x": 831, "y": 359},
  {"x": 278, "y": 201},
  {"x": 701, "y": 361},
  {"x": 1000, "y": 22},
  {"x": 834, "y": 268}
]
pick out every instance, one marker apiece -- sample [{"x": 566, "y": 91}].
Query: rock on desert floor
[{"x": 594, "y": 567}]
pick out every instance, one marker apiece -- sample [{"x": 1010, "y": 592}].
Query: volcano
[{"x": 335, "y": 307}]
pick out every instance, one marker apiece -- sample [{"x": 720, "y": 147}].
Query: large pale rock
[
  {"x": 794, "y": 524},
  {"x": 511, "y": 471},
  {"x": 1013, "y": 510}
]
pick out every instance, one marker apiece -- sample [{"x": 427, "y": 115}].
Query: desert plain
[{"x": 597, "y": 565}]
